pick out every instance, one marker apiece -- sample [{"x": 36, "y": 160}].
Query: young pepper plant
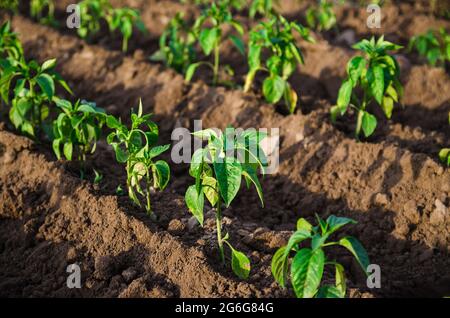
[
  {"x": 176, "y": 45},
  {"x": 211, "y": 38},
  {"x": 322, "y": 16},
  {"x": 277, "y": 37},
  {"x": 218, "y": 177},
  {"x": 92, "y": 12},
  {"x": 10, "y": 46},
  {"x": 43, "y": 11},
  {"x": 124, "y": 19},
  {"x": 9, "y": 5},
  {"x": 433, "y": 45},
  {"x": 261, "y": 7},
  {"x": 77, "y": 130},
  {"x": 136, "y": 147},
  {"x": 377, "y": 74},
  {"x": 33, "y": 93},
  {"x": 308, "y": 263}
]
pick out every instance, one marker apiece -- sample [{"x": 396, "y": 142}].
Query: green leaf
[
  {"x": 238, "y": 43},
  {"x": 355, "y": 68},
  {"x": 303, "y": 224},
  {"x": 279, "y": 266},
  {"x": 208, "y": 39},
  {"x": 369, "y": 123},
  {"x": 56, "y": 144},
  {"x": 335, "y": 111},
  {"x": 392, "y": 93},
  {"x": 329, "y": 292},
  {"x": 47, "y": 85},
  {"x": 229, "y": 175},
  {"x": 306, "y": 272},
  {"x": 344, "y": 96},
  {"x": 335, "y": 223},
  {"x": 197, "y": 160},
  {"x": 280, "y": 259},
  {"x": 240, "y": 264},
  {"x": 156, "y": 151},
  {"x": 375, "y": 76},
  {"x": 273, "y": 88},
  {"x": 209, "y": 186},
  {"x": 444, "y": 155},
  {"x": 121, "y": 155},
  {"x": 191, "y": 70},
  {"x": 205, "y": 134},
  {"x": 355, "y": 247},
  {"x": 112, "y": 122},
  {"x": 49, "y": 64},
  {"x": 387, "y": 105},
  {"x": 68, "y": 149},
  {"x": 163, "y": 173},
  {"x": 64, "y": 104},
  {"x": 341, "y": 285},
  {"x": 251, "y": 174},
  {"x": 254, "y": 57},
  {"x": 195, "y": 203},
  {"x": 85, "y": 108}
]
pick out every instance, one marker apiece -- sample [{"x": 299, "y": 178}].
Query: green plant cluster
[
  {"x": 93, "y": 12},
  {"x": 322, "y": 16},
  {"x": 377, "y": 75},
  {"x": 215, "y": 26},
  {"x": 434, "y": 46},
  {"x": 308, "y": 264},
  {"x": 28, "y": 92}
]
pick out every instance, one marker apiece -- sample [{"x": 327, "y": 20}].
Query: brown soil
[{"x": 391, "y": 184}]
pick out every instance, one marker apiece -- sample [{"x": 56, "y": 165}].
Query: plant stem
[
  {"x": 216, "y": 63},
  {"x": 148, "y": 207},
  {"x": 360, "y": 116},
  {"x": 219, "y": 229}
]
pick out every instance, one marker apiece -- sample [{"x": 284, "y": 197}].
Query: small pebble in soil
[
  {"x": 381, "y": 199},
  {"x": 439, "y": 213},
  {"x": 129, "y": 274},
  {"x": 176, "y": 227}
]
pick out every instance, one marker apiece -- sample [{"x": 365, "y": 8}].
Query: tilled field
[{"x": 392, "y": 184}]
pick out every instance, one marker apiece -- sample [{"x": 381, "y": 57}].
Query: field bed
[{"x": 393, "y": 184}]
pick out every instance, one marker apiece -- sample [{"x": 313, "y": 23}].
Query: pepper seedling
[
  {"x": 261, "y": 7},
  {"x": 218, "y": 176},
  {"x": 277, "y": 37},
  {"x": 378, "y": 76},
  {"x": 43, "y": 11},
  {"x": 321, "y": 16},
  {"x": 10, "y": 46},
  {"x": 10, "y": 5},
  {"x": 136, "y": 147},
  {"x": 33, "y": 93},
  {"x": 124, "y": 19},
  {"x": 308, "y": 263},
  {"x": 77, "y": 130},
  {"x": 433, "y": 45},
  {"x": 211, "y": 38},
  {"x": 92, "y": 12},
  {"x": 176, "y": 45}
]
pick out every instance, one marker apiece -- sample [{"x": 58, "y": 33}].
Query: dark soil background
[{"x": 392, "y": 184}]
